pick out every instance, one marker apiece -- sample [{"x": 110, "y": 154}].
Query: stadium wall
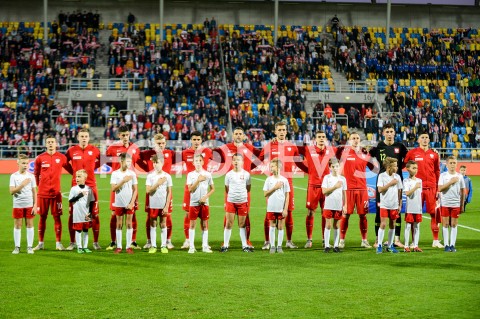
[{"x": 249, "y": 12}]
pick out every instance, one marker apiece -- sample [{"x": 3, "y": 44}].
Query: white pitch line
[
  {"x": 304, "y": 189},
  {"x": 463, "y": 226}
]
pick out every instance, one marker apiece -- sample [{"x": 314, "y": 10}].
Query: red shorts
[
  {"x": 155, "y": 213},
  {"x": 453, "y": 212},
  {"x": 112, "y": 200},
  {"x": 202, "y": 212},
  {"x": 274, "y": 216},
  {"x": 357, "y": 198},
  {"x": 390, "y": 213},
  {"x": 241, "y": 209},
  {"x": 147, "y": 204},
  {"x": 186, "y": 199},
  {"x": 120, "y": 211},
  {"x": 413, "y": 218},
  {"x": 314, "y": 197},
  {"x": 429, "y": 198},
  {"x": 81, "y": 226},
  {"x": 52, "y": 204},
  {"x": 329, "y": 214},
  {"x": 20, "y": 213}
]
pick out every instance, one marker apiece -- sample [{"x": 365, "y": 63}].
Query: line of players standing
[{"x": 353, "y": 161}]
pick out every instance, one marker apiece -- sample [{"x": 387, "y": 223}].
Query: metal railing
[
  {"x": 79, "y": 118},
  {"x": 340, "y": 87},
  {"x": 120, "y": 84}
]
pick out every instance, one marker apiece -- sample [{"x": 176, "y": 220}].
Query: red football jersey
[
  {"x": 285, "y": 151},
  {"x": 168, "y": 159},
  {"x": 317, "y": 163},
  {"x": 117, "y": 148},
  {"x": 428, "y": 166},
  {"x": 189, "y": 153},
  {"x": 87, "y": 158},
  {"x": 247, "y": 150},
  {"x": 47, "y": 172},
  {"x": 353, "y": 166}
]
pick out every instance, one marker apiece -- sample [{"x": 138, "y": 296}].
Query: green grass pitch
[{"x": 298, "y": 284}]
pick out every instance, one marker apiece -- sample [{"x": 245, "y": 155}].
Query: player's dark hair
[
  {"x": 84, "y": 130},
  {"x": 195, "y": 133},
  {"x": 50, "y": 136},
  {"x": 238, "y": 155},
  {"x": 123, "y": 129},
  {"x": 451, "y": 158},
  {"x": 124, "y": 156},
  {"x": 410, "y": 163},
  {"x": 319, "y": 132},
  {"x": 387, "y": 126},
  {"x": 463, "y": 166},
  {"x": 422, "y": 131}
]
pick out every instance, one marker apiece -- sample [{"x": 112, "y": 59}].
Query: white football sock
[
  {"x": 163, "y": 236},
  {"x": 408, "y": 227},
  {"x": 153, "y": 236},
  {"x": 243, "y": 237},
  {"x": 336, "y": 235},
  {"x": 272, "y": 236},
  {"x": 17, "y": 236},
  {"x": 453, "y": 236},
  {"x": 205, "y": 238},
  {"x": 227, "y": 233},
  {"x": 191, "y": 237},
  {"x": 129, "y": 237},
  {"x": 326, "y": 235},
  {"x": 30, "y": 234},
  {"x": 85, "y": 239},
  {"x": 416, "y": 234},
  {"x": 391, "y": 235},
  {"x": 446, "y": 242},
  {"x": 280, "y": 238},
  {"x": 381, "y": 234},
  {"x": 78, "y": 239},
  {"x": 119, "y": 238}
]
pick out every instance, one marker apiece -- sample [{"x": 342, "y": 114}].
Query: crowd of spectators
[
  {"x": 31, "y": 73},
  {"x": 431, "y": 80}
]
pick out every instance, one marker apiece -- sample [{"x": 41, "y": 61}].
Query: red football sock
[
  {"x": 169, "y": 226},
  {"x": 71, "y": 231},
  {"x": 309, "y": 221},
  {"x": 58, "y": 227},
  {"x": 42, "y": 225},
  {"x": 343, "y": 226},
  {"x": 363, "y": 226},
  {"x": 247, "y": 227},
  {"x": 324, "y": 222},
  {"x": 434, "y": 226},
  {"x": 113, "y": 228},
  {"x": 186, "y": 226},
  {"x": 266, "y": 228},
  {"x": 95, "y": 227},
  {"x": 289, "y": 225},
  {"x": 134, "y": 226},
  {"x": 147, "y": 227}
]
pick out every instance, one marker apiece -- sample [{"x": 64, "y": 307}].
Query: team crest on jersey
[
  {"x": 327, "y": 151},
  {"x": 432, "y": 156},
  {"x": 166, "y": 154},
  {"x": 245, "y": 151},
  {"x": 90, "y": 153},
  {"x": 289, "y": 149},
  {"x": 134, "y": 151},
  {"x": 57, "y": 160},
  {"x": 396, "y": 150}
]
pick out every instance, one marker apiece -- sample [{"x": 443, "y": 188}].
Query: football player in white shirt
[
  {"x": 82, "y": 204},
  {"x": 237, "y": 187},
  {"x": 412, "y": 187},
  {"x": 451, "y": 186},
  {"x": 200, "y": 185},
  {"x": 159, "y": 190},
  {"x": 277, "y": 191},
  {"x": 390, "y": 187},
  {"x": 23, "y": 188},
  {"x": 124, "y": 186},
  {"x": 334, "y": 188}
]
